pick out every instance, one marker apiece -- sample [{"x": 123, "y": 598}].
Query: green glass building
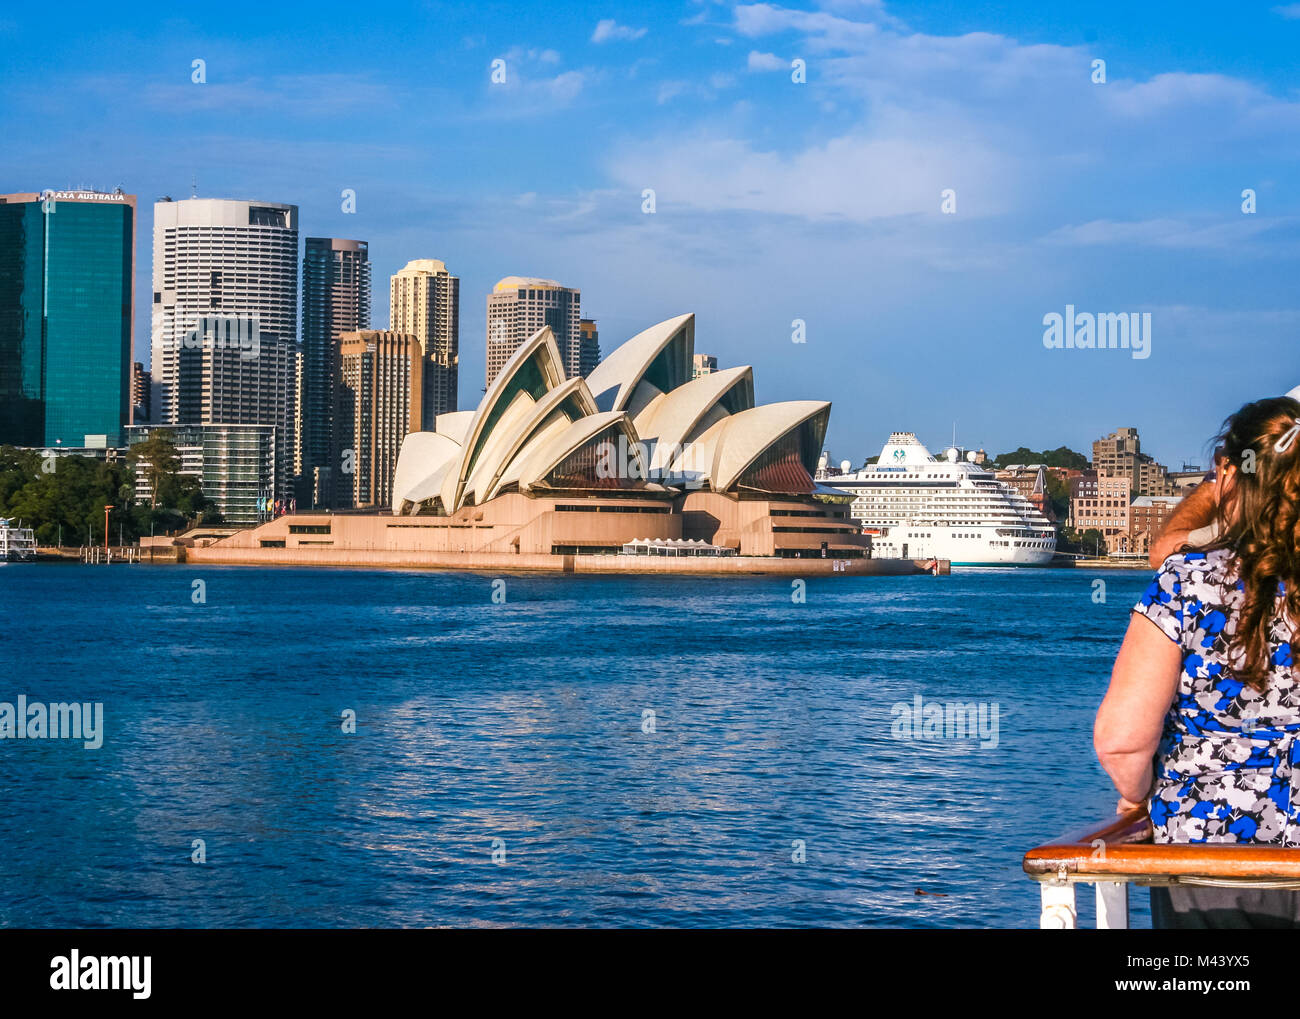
[{"x": 66, "y": 282}]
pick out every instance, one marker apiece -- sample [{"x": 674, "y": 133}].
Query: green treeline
[{"x": 66, "y": 495}]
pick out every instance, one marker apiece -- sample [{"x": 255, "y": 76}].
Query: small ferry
[
  {"x": 917, "y": 506},
  {"x": 17, "y": 544}
]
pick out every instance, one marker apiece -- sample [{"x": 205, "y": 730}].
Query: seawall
[{"x": 496, "y": 562}]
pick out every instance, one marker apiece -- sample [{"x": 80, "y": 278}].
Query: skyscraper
[
  {"x": 589, "y": 354},
  {"x": 225, "y": 293},
  {"x": 381, "y": 393},
  {"x": 704, "y": 364},
  {"x": 425, "y": 303},
  {"x": 141, "y": 394},
  {"x": 335, "y": 300},
  {"x": 519, "y": 306},
  {"x": 67, "y": 263}
]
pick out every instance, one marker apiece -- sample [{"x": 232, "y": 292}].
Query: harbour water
[{"x": 505, "y": 770}]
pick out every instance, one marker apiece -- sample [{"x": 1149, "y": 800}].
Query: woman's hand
[{"x": 1124, "y": 806}]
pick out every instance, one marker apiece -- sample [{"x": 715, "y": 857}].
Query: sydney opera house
[{"x": 636, "y": 462}]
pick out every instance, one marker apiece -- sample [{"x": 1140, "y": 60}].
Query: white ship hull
[{"x": 962, "y": 547}]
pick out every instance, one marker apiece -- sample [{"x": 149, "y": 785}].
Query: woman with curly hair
[{"x": 1203, "y": 711}]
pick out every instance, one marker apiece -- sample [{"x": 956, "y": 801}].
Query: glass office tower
[
  {"x": 335, "y": 300},
  {"x": 66, "y": 282}
]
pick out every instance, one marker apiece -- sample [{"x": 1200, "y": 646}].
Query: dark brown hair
[{"x": 1261, "y": 523}]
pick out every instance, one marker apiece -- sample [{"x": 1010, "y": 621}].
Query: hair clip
[{"x": 1288, "y": 440}]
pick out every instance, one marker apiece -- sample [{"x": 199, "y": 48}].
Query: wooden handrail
[
  {"x": 1122, "y": 848},
  {"x": 1131, "y": 826}
]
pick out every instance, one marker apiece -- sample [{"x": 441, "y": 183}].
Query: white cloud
[
  {"x": 1012, "y": 127},
  {"x": 608, "y": 29},
  {"x": 670, "y": 90},
  {"x": 1289, "y": 11},
  {"x": 565, "y": 87},
  {"x": 765, "y": 62},
  {"x": 753, "y": 20},
  {"x": 531, "y": 55},
  {"x": 1165, "y": 92},
  {"x": 524, "y": 95},
  {"x": 851, "y": 178},
  {"x": 304, "y": 95},
  {"x": 1215, "y": 330},
  {"x": 1232, "y": 233}
]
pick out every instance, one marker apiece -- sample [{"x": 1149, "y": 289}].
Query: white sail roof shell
[
  {"x": 615, "y": 381},
  {"x": 697, "y": 431}
]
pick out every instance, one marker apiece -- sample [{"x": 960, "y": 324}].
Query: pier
[{"x": 98, "y": 555}]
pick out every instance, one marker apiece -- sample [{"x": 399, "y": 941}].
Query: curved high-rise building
[
  {"x": 225, "y": 318},
  {"x": 520, "y": 305}
]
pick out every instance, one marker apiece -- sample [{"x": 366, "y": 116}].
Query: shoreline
[
  {"x": 615, "y": 565},
  {"x": 586, "y": 564}
]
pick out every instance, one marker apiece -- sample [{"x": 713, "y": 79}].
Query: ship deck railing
[{"x": 1119, "y": 852}]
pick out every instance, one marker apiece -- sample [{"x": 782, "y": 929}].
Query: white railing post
[
  {"x": 1112, "y": 905},
  {"x": 1058, "y": 906}
]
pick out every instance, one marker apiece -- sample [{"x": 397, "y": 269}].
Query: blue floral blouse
[{"x": 1228, "y": 767}]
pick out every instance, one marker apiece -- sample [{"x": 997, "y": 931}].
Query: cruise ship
[{"x": 918, "y": 507}]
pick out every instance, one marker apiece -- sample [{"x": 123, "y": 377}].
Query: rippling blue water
[{"x": 523, "y": 722}]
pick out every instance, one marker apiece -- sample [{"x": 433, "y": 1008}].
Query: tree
[
  {"x": 156, "y": 458},
  {"x": 1061, "y": 456},
  {"x": 1058, "y": 491},
  {"x": 66, "y": 497},
  {"x": 1089, "y": 542}
]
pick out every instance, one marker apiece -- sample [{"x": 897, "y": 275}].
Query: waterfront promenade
[{"x": 221, "y": 554}]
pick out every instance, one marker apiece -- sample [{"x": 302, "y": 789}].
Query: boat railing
[{"x": 1118, "y": 853}]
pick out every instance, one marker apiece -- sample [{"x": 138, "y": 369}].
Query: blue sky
[{"x": 775, "y": 201}]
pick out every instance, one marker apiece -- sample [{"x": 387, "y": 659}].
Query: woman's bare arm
[
  {"x": 1194, "y": 512},
  {"x": 1131, "y": 717}
]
